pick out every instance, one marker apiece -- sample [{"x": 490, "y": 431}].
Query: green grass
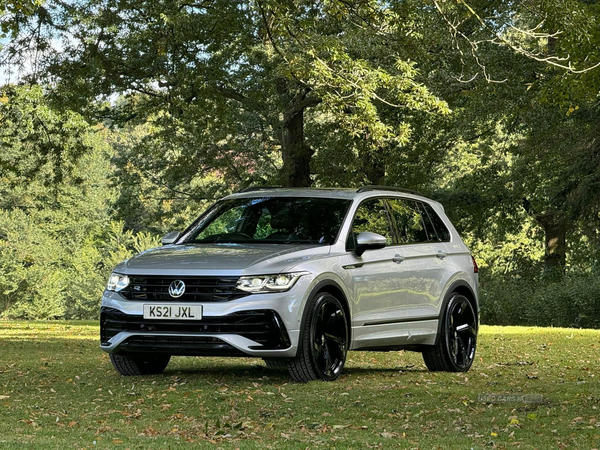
[{"x": 58, "y": 390}]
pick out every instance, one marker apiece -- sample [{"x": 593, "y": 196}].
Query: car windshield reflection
[{"x": 271, "y": 220}]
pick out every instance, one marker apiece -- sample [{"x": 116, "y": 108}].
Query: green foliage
[
  {"x": 216, "y": 86},
  {"x": 569, "y": 302},
  {"x": 15, "y": 14},
  {"x": 59, "y": 239},
  {"x": 198, "y": 100}
]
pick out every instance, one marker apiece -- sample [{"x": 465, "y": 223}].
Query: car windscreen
[{"x": 304, "y": 220}]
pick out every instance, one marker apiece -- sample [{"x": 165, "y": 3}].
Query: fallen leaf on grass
[{"x": 385, "y": 434}]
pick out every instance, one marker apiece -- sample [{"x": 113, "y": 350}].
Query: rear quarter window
[{"x": 439, "y": 225}]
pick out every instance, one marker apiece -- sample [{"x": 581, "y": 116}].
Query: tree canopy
[{"x": 160, "y": 108}]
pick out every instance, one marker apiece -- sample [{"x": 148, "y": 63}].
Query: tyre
[
  {"x": 139, "y": 365},
  {"x": 455, "y": 348},
  {"x": 275, "y": 363},
  {"x": 324, "y": 343}
]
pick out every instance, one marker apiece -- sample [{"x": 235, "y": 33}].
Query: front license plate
[{"x": 178, "y": 312}]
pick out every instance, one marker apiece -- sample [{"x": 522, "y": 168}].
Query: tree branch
[
  {"x": 300, "y": 106},
  {"x": 499, "y": 39}
]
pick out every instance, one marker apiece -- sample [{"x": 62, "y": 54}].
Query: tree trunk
[
  {"x": 555, "y": 230},
  {"x": 294, "y": 151},
  {"x": 552, "y": 41},
  {"x": 373, "y": 169}
]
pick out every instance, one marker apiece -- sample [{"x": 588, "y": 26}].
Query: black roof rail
[
  {"x": 386, "y": 188},
  {"x": 259, "y": 188}
]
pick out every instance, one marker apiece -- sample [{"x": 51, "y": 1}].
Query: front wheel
[
  {"x": 139, "y": 365},
  {"x": 455, "y": 348},
  {"x": 324, "y": 345}
]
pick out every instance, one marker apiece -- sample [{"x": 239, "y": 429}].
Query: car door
[
  {"x": 375, "y": 274},
  {"x": 423, "y": 259}
]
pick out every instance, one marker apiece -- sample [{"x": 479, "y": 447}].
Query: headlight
[
  {"x": 117, "y": 282},
  {"x": 269, "y": 283}
]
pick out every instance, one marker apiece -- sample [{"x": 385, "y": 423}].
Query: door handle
[
  {"x": 440, "y": 254},
  {"x": 398, "y": 259}
]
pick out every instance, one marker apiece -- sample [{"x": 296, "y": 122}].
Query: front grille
[
  {"x": 197, "y": 289},
  {"x": 262, "y": 326}
]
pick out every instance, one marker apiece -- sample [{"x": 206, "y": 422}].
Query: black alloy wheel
[
  {"x": 324, "y": 344},
  {"x": 461, "y": 333},
  {"x": 329, "y": 338},
  {"x": 455, "y": 350}
]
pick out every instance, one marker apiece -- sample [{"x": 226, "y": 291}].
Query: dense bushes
[
  {"x": 59, "y": 237},
  {"x": 58, "y": 246},
  {"x": 573, "y": 301},
  {"x": 50, "y": 279}
]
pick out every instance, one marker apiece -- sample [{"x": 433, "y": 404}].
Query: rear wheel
[
  {"x": 143, "y": 364},
  {"x": 324, "y": 343},
  {"x": 455, "y": 349}
]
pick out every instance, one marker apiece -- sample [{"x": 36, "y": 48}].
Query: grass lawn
[{"x": 58, "y": 390}]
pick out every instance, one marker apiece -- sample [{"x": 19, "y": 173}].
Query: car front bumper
[{"x": 258, "y": 325}]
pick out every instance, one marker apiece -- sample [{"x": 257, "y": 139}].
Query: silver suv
[{"x": 298, "y": 277}]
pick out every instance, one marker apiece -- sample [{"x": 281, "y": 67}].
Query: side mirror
[
  {"x": 171, "y": 237},
  {"x": 368, "y": 241}
]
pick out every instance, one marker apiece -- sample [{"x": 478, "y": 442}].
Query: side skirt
[{"x": 404, "y": 335}]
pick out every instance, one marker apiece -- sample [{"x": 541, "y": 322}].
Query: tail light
[{"x": 475, "y": 268}]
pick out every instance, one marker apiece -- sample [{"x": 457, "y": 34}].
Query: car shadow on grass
[
  {"x": 383, "y": 370},
  {"x": 219, "y": 370},
  {"x": 236, "y": 371}
]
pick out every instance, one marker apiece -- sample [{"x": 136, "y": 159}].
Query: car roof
[{"x": 341, "y": 193}]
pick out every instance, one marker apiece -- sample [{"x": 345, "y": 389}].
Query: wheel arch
[
  {"x": 463, "y": 288},
  {"x": 333, "y": 288}
]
